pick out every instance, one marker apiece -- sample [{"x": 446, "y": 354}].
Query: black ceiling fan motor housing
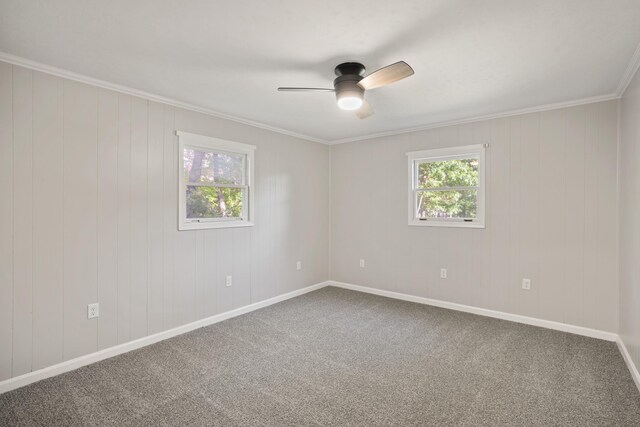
[
  {"x": 349, "y": 74},
  {"x": 347, "y": 68}
]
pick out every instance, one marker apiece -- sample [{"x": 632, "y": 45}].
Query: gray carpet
[{"x": 336, "y": 357}]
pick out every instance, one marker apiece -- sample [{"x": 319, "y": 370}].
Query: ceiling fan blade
[
  {"x": 364, "y": 111},
  {"x": 387, "y": 75},
  {"x": 304, "y": 89}
]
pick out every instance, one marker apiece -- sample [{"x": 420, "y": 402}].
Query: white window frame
[
  {"x": 441, "y": 154},
  {"x": 207, "y": 143}
]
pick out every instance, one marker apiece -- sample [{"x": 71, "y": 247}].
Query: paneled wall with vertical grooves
[
  {"x": 629, "y": 224},
  {"x": 551, "y": 214},
  {"x": 88, "y": 213}
]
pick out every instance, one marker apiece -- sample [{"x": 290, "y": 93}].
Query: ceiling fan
[{"x": 351, "y": 84}]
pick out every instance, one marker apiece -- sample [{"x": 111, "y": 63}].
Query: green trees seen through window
[
  {"x": 447, "y": 189},
  {"x": 221, "y": 178}
]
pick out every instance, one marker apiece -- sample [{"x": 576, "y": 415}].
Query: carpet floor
[{"x": 337, "y": 357}]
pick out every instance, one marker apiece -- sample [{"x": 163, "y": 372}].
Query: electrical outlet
[
  {"x": 443, "y": 273},
  {"x": 229, "y": 281},
  {"x": 299, "y": 265},
  {"x": 526, "y": 284},
  {"x": 93, "y": 310},
  {"x": 361, "y": 263}
]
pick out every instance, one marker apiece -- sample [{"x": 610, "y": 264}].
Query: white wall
[
  {"x": 88, "y": 202},
  {"x": 629, "y": 225},
  {"x": 88, "y": 199},
  {"x": 551, "y": 217}
]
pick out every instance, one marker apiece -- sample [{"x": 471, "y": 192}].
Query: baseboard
[
  {"x": 70, "y": 365},
  {"x": 564, "y": 327},
  {"x": 633, "y": 369}
]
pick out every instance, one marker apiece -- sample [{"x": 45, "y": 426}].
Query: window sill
[
  {"x": 213, "y": 225},
  {"x": 452, "y": 224}
]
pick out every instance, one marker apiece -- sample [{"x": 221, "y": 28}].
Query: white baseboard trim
[
  {"x": 633, "y": 369},
  {"x": 564, "y": 327},
  {"x": 70, "y": 365},
  {"x": 578, "y": 330}
]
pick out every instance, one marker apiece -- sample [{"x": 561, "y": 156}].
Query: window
[
  {"x": 215, "y": 182},
  {"x": 446, "y": 187}
]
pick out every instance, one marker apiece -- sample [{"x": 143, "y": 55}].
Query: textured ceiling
[{"x": 471, "y": 58}]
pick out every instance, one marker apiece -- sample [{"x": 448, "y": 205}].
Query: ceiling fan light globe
[{"x": 350, "y": 103}]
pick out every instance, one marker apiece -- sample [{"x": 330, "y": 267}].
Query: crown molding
[
  {"x": 70, "y": 75},
  {"x": 629, "y": 73},
  {"x": 473, "y": 119},
  {"x": 37, "y": 66}
]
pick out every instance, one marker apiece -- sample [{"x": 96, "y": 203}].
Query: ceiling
[{"x": 471, "y": 58}]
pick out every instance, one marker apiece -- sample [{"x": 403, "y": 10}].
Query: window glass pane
[
  {"x": 448, "y": 173},
  {"x": 214, "y": 202},
  {"x": 212, "y": 167},
  {"x": 446, "y": 204}
]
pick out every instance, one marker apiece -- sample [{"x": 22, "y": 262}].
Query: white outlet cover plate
[{"x": 93, "y": 310}]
